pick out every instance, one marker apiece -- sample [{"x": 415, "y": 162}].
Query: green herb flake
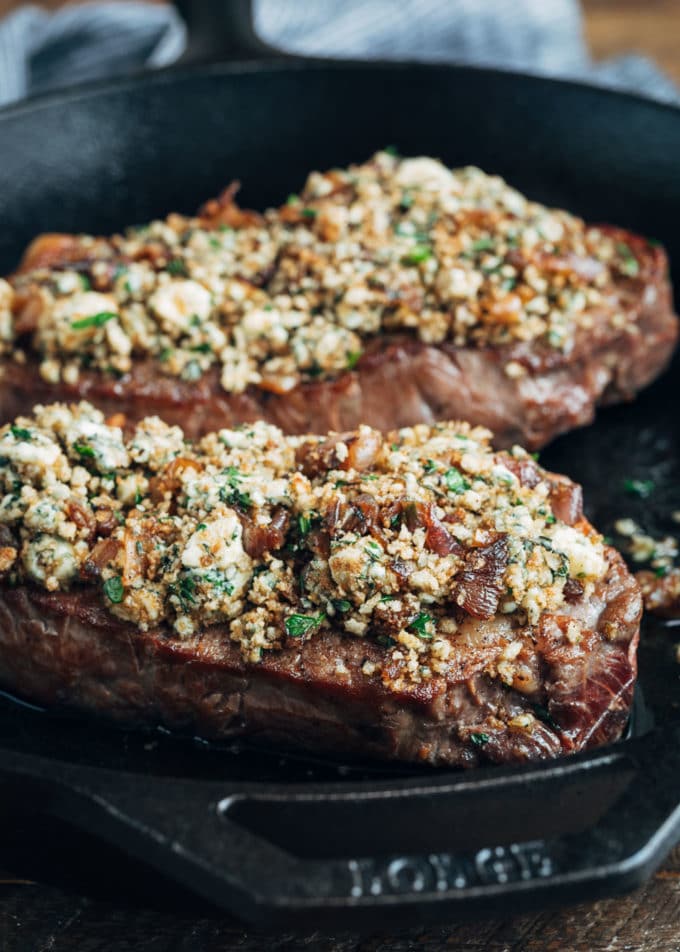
[
  {"x": 304, "y": 524},
  {"x": 341, "y": 605},
  {"x": 186, "y": 590},
  {"x": 94, "y": 320},
  {"x": 310, "y": 212},
  {"x": 85, "y": 282},
  {"x": 483, "y": 244},
  {"x": 417, "y": 255},
  {"x": 543, "y": 714},
  {"x": 82, "y": 449},
  {"x": 113, "y": 589},
  {"x": 479, "y": 739},
  {"x": 201, "y": 526},
  {"x": 419, "y": 625},
  {"x": 292, "y": 199},
  {"x": 429, "y": 466},
  {"x": 661, "y": 571},
  {"x": 629, "y": 265},
  {"x": 353, "y": 358},
  {"x": 177, "y": 267},
  {"x": 392, "y": 150},
  {"x": 643, "y": 488},
  {"x": 297, "y": 626},
  {"x": 455, "y": 481},
  {"x": 20, "y": 433}
]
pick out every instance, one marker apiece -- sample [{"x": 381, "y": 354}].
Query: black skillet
[{"x": 278, "y": 839}]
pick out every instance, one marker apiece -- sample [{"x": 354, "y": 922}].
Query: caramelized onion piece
[
  {"x": 566, "y": 500},
  {"x": 102, "y": 554},
  {"x": 480, "y": 584},
  {"x": 315, "y": 459},
  {"x": 169, "y": 479},
  {"x": 258, "y": 539},
  {"x": 417, "y": 515},
  {"x": 54, "y": 250},
  {"x": 81, "y": 516},
  {"x": 573, "y": 590},
  {"x": 525, "y": 470},
  {"x": 223, "y": 210}
]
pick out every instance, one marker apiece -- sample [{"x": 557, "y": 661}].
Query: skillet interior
[{"x": 97, "y": 160}]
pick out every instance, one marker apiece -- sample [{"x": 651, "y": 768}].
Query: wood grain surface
[
  {"x": 87, "y": 899},
  {"x": 58, "y": 894}
]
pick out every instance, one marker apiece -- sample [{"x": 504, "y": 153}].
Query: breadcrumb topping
[
  {"x": 394, "y": 538},
  {"x": 402, "y": 246}
]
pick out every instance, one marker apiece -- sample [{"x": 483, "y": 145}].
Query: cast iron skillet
[{"x": 277, "y": 839}]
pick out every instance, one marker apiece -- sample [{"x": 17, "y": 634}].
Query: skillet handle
[
  {"x": 222, "y": 30},
  {"x": 192, "y": 832}
]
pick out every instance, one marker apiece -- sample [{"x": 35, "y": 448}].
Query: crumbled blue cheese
[
  {"x": 233, "y": 531},
  {"x": 388, "y": 246}
]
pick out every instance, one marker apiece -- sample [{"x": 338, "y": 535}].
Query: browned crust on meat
[{"x": 66, "y": 650}]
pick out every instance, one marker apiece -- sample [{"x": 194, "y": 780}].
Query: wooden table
[{"x": 57, "y": 897}]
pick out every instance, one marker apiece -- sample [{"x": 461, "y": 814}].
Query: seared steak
[
  {"x": 390, "y": 293},
  {"x": 414, "y": 597}
]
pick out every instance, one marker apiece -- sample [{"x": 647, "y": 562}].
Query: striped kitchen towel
[{"x": 41, "y": 51}]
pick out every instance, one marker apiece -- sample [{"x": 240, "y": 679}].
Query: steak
[
  {"x": 414, "y": 597},
  {"x": 390, "y": 294}
]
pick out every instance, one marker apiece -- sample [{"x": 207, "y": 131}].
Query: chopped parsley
[
  {"x": 218, "y": 581},
  {"x": 113, "y": 589},
  {"x": 420, "y": 625},
  {"x": 417, "y": 254},
  {"x": 353, "y": 358},
  {"x": 20, "y": 433},
  {"x": 310, "y": 212},
  {"x": 483, "y": 244},
  {"x": 233, "y": 496},
  {"x": 429, "y": 466},
  {"x": 177, "y": 267},
  {"x": 630, "y": 264},
  {"x": 661, "y": 571},
  {"x": 480, "y": 739},
  {"x": 304, "y": 524},
  {"x": 186, "y": 589},
  {"x": 297, "y": 626},
  {"x": 639, "y": 487},
  {"x": 455, "y": 481},
  {"x": 341, "y": 605},
  {"x": 94, "y": 320},
  {"x": 82, "y": 449},
  {"x": 543, "y": 714}
]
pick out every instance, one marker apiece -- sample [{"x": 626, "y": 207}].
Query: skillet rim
[{"x": 168, "y": 75}]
